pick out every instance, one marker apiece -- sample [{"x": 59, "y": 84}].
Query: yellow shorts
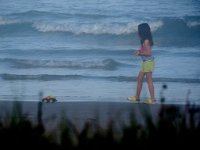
[{"x": 148, "y": 66}]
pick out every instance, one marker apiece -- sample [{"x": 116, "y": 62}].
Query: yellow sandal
[
  {"x": 150, "y": 101},
  {"x": 133, "y": 99}
]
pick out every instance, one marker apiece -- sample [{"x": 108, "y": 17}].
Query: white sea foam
[
  {"x": 4, "y": 21},
  {"x": 193, "y": 23},
  {"x": 94, "y": 28}
]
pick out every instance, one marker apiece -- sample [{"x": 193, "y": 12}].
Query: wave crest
[
  {"x": 106, "y": 64},
  {"x": 96, "y": 29}
]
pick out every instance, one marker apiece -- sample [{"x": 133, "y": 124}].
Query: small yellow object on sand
[{"x": 51, "y": 99}]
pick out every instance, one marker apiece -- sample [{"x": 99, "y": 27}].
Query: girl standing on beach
[{"x": 145, "y": 35}]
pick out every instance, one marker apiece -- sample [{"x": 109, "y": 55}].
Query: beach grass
[{"x": 173, "y": 127}]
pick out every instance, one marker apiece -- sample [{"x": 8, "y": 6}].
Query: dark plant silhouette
[{"x": 173, "y": 128}]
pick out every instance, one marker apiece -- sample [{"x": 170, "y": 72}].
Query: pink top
[{"x": 146, "y": 58}]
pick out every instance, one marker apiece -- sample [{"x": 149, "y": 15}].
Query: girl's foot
[
  {"x": 133, "y": 99},
  {"x": 150, "y": 101}
]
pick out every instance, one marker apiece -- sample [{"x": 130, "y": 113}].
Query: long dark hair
[{"x": 144, "y": 32}]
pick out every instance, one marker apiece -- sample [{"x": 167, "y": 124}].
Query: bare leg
[
  {"x": 139, "y": 84},
  {"x": 150, "y": 85}
]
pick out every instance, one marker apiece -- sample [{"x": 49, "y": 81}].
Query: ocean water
[{"x": 81, "y": 50}]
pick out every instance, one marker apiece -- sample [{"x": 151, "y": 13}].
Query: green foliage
[{"x": 172, "y": 129}]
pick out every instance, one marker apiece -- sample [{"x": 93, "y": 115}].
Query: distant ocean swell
[
  {"x": 168, "y": 31},
  {"x": 105, "y": 64},
  {"x": 111, "y": 55},
  {"x": 47, "y": 77},
  {"x": 41, "y": 23},
  {"x": 75, "y": 28},
  {"x": 66, "y": 51},
  {"x": 159, "y": 26}
]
